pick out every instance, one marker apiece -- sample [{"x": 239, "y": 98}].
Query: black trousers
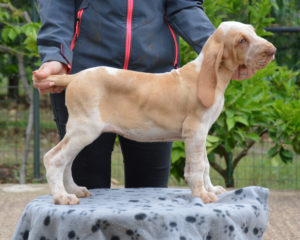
[{"x": 146, "y": 164}]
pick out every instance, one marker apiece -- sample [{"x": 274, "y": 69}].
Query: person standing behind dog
[{"x": 138, "y": 35}]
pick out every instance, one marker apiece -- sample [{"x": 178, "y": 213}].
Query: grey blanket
[{"x": 148, "y": 213}]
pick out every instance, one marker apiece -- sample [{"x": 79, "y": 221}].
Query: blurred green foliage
[
  {"x": 17, "y": 36},
  {"x": 268, "y": 104}
]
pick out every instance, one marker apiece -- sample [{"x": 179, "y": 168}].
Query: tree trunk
[
  {"x": 229, "y": 181},
  {"x": 27, "y": 144},
  {"x": 28, "y": 92}
]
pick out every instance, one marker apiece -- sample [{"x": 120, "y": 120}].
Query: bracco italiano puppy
[{"x": 178, "y": 105}]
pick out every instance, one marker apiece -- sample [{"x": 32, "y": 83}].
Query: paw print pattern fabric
[{"x": 148, "y": 213}]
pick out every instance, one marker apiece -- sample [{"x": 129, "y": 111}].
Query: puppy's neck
[
  {"x": 198, "y": 62},
  {"x": 224, "y": 77}
]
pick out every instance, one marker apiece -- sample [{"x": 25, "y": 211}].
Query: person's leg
[
  {"x": 60, "y": 112},
  {"x": 146, "y": 164},
  {"x": 92, "y": 166}
]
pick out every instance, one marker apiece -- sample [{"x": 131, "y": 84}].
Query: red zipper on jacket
[
  {"x": 128, "y": 33},
  {"x": 77, "y": 28},
  {"x": 175, "y": 64},
  {"x": 69, "y": 67}
]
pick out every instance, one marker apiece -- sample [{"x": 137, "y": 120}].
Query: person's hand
[
  {"x": 48, "y": 68},
  {"x": 242, "y": 73}
]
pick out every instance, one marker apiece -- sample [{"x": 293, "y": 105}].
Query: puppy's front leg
[
  {"x": 195, "y": 165},
  {"x": 207, "y": 181}
]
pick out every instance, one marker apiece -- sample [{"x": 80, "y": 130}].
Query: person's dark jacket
[{"x": 138, "y": 35}]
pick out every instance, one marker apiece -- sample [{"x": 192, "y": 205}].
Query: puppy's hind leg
[
  {"x": 61, "y": 156},
  {"x": 55, "y": 162},
  {"x": 71, "y": 186}
]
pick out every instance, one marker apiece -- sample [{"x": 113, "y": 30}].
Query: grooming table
[{"x": 147, "y": 213}]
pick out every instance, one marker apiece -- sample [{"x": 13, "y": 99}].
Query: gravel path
[{"x": 284, "y": 210}]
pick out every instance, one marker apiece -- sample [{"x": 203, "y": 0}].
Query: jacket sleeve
[
  {"x": 188, "y": 19},
  {"x": 55, "y": 36}
]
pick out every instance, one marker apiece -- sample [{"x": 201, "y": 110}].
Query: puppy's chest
[{"x": 211, "y": 114}]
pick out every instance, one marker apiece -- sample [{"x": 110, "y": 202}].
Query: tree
[
  {"x": 18, "y": 40},
  {"x": 267, "y": 104}
]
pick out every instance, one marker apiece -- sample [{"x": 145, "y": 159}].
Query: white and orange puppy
[{"x": 178, "y": 105}]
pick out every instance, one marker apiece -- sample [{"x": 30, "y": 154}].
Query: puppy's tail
[{"x": 59, "y": 80}]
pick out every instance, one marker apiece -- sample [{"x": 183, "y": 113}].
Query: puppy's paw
[
  {"x": 65, "y": 199},
  {"x": 217, "y": 189},
  {"x": 207, "y": 197},
  {"x": 81, "y": 192}
]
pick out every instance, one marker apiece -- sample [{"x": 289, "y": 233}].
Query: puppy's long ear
[{"x": 208, "y": 76}]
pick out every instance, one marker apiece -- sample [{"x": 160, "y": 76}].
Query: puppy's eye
[{"x": 243, "y": 40}]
